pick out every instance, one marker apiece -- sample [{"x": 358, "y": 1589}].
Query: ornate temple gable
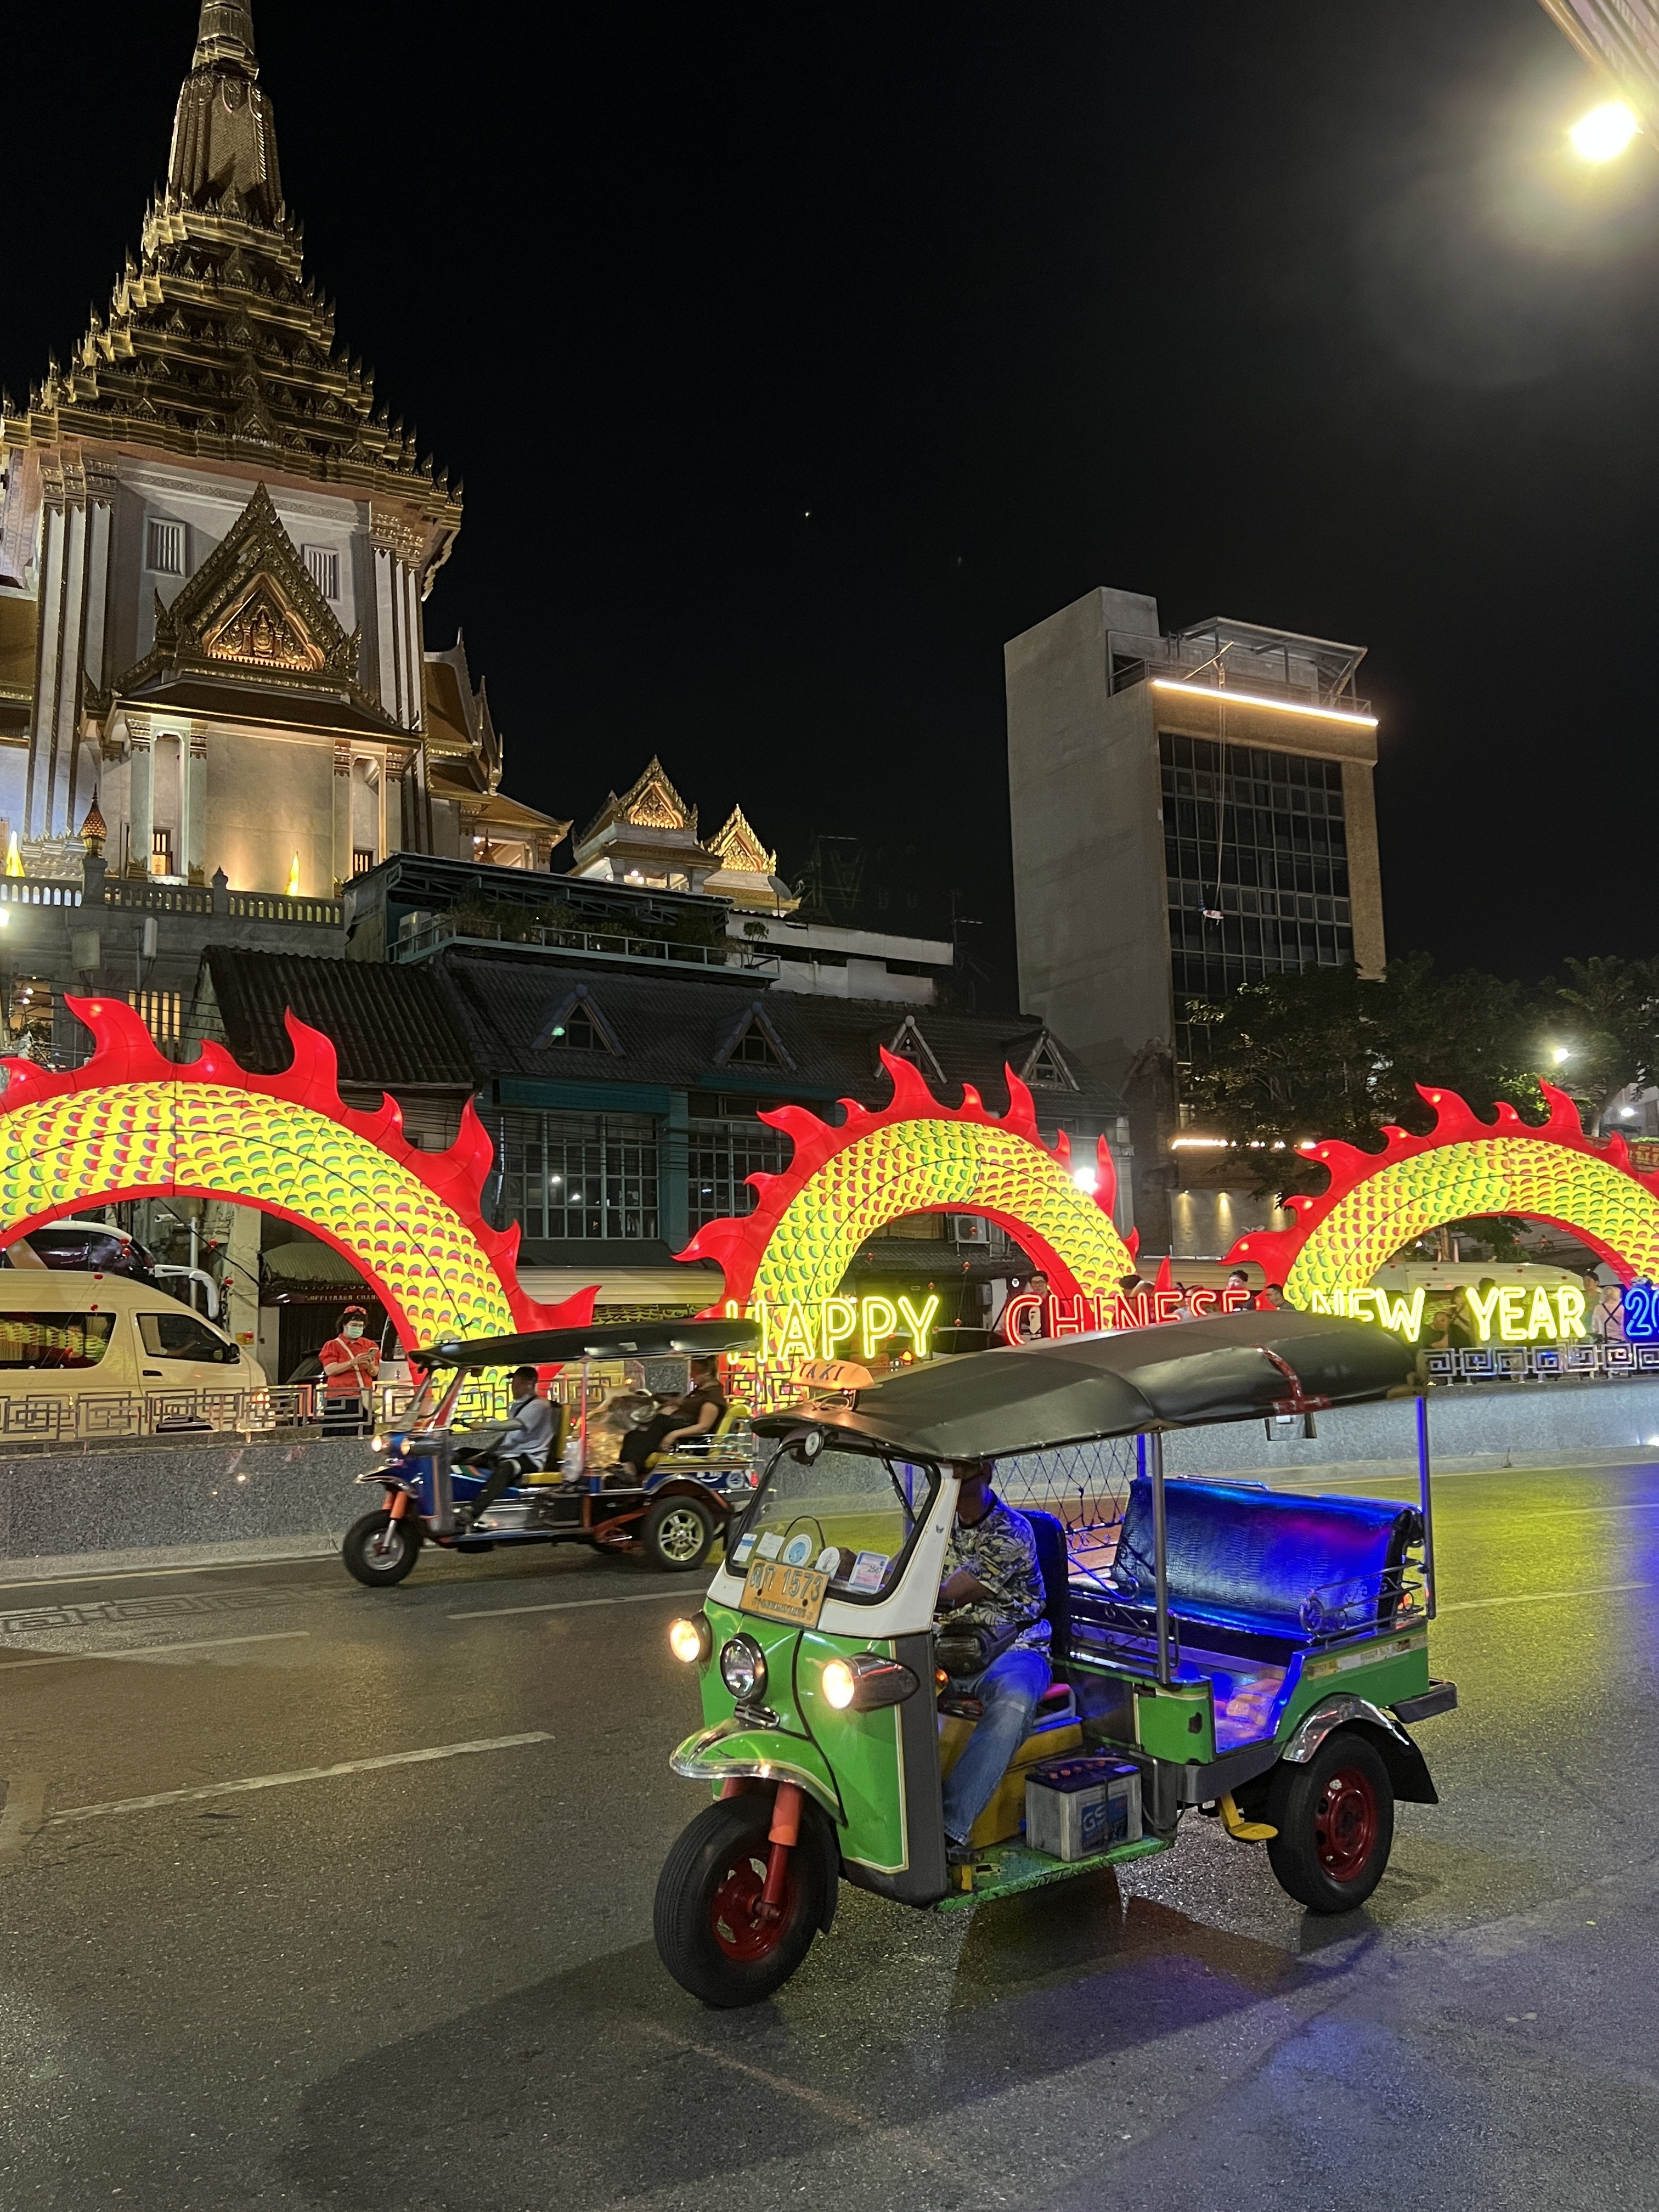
[
  {"x": 261, "y": 632},
  {"x": 252, "y": 604},
  {"x": 654, "y": 804},
  {"x": 739, "y": 849},
  {"x": 217, "y": 345}
]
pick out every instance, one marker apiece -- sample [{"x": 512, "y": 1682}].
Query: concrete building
[{"x": 1191, "y": 811}]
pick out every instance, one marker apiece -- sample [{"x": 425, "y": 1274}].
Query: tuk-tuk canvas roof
[{"x": 994, "y": 1405}]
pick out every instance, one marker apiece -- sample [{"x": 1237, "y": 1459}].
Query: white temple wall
[{"x": 252, "y": 838}]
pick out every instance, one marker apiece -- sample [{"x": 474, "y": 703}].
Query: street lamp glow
[
  {"x": 1561, "y": 1055},
  {"x": 1604, "y": 133}
]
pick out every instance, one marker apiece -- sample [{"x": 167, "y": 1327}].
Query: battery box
[{"x": 1077, "y": 1807}]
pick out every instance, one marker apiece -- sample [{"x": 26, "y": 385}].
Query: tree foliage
[{"x": 1325, "y": 1054}]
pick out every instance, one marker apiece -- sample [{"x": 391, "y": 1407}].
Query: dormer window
[
  {"x": 754, "y": 1049},
  {"x": 577, "y": 1032},
  {"x": 575, "y": 1024},
  {"x": 754, "y": 1042},
  {"x": 910, "y": 1044},
  {"x": 1045, "y": 1069}
]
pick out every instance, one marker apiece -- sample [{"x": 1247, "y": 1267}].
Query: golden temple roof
[
  {"x": 217, "y": 345},
  {"x": 739, "y": 849}
]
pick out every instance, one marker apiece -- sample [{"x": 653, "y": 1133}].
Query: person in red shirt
[{"x": 350, "y": 1362}]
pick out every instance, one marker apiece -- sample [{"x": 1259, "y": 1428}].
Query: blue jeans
[{"x": 1008, "y": 1689}]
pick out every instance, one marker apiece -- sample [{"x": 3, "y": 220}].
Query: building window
[
  {"x": 720, "y": 1157},
  {"x": 1257, "y": 862},
  {"x": 361, "y": 860},
  {"x": 162, "y": 1013},
  {"x": 577, "y": 1032},
  {"x": 579, "y": 1176},
  {"x": 161, "y": 853},
  {"x": 324, "y": 566},
  {"x": 164, "y": 551},
  {"x": 754, "y": 1049}
]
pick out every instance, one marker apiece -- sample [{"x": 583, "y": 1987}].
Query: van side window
[
  {"x": 54, "y": 1340},
  {"x": 182, "y": 1336}
]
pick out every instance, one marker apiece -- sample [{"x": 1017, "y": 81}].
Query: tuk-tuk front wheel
[
  {"x": 712, "y": 1932},
  {"x": 678, "y": 1532},
  {"x": 380, "y": 1551},
  {"x": 1335, "y": 1822}
]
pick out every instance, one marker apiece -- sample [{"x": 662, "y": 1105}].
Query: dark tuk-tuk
[
  {"x": 1218, "y": 1647},
  {"x": 673, "y": 1514}
]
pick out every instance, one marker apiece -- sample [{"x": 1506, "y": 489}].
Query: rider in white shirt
[{"x": 526, "y": 1444}]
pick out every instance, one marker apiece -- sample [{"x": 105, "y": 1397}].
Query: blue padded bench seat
[{"x": 1273, "y": 1562}]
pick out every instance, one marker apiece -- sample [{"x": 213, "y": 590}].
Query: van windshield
[
  {"x": 851, "y": 1513},
  {"x": 54, "y": 1340}
]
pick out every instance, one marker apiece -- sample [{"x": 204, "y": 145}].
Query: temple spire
[
  {"x": 224, "y": 137},
  {"x": 226, "y": 35}
]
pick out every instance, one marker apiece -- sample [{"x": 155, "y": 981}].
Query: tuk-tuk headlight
[
  {"x": 743, "y": 1669},
  {"x": 690, "y": 1640},
  {"x": 866, "y": 1682}
]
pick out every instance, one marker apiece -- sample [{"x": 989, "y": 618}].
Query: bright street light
[
  {"x": 1561, "y": 1055},
  {"x": 1604, "y": 133}
]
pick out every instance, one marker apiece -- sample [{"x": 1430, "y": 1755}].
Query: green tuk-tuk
[{"x": 1218, "y": 1647}]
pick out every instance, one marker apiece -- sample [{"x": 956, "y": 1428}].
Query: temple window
[
  {"x": 164, "y": 548},
  {"x": 324, "y": 563}
]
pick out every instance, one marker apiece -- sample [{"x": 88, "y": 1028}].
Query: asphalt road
[{"x": 428, "y": 1983}]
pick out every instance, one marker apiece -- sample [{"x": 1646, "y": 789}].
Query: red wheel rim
[
  {"x": 1346, "y": 1824},
  {"x": 734, "y": 1910}
]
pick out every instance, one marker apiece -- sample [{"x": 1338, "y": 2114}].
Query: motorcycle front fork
[{"x": 784, "y": 1835}]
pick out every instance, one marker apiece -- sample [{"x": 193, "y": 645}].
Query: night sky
[{"x": 794, "y": 357}]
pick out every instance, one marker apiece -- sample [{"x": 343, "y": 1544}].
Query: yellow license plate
[{"x": 776, "y": 1592}]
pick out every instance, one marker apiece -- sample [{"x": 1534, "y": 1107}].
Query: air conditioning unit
[{"x": 970, "y": 1229}]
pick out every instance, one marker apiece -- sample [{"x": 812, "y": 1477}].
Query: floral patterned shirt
[{"x": 1001, "y": 1552}]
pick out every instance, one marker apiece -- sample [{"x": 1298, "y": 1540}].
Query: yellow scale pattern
[
  {"x": 210, "y": 1140},
  {"x": 1507, "y": 1175},
  {"x": 910, "y": 1167}
]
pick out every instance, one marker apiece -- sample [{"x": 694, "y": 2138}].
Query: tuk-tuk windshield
[{"x": 852, "y": 1512}]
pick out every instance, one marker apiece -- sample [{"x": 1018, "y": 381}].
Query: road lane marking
[
  {"x": 300, "y": 1774},
  {"x": 151, "y": 1651},
  {"x": 1541, "y": 1597},
  {"x": 24, "y": 1795},
  {"x": 566, "y": 1604}
]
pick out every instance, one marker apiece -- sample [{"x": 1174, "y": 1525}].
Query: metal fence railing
[{"x": 96, "y": 1416}]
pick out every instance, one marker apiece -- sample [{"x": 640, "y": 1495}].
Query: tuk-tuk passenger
[
  {"x": 697, "y": 1414},
  {"x": 992, "y": 1581},
  {"x": 525, "y": 1445}
]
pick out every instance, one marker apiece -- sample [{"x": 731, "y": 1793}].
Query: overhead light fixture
[
  {"x": 1561, "y": 1055},
  {"x": 1199, "y": 1144},
  {"x": 1605, "y": 132},
  {"x": 1228, "y": 697}
]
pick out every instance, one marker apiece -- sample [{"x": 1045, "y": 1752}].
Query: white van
[{"x": 74, "y": 1335}]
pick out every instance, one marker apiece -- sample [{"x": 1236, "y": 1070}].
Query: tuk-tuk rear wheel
[
  {"x": 1335, "y": 1822},
  {"x": 711, "y": 1934},
  {"x": 678, "y": 1532}
]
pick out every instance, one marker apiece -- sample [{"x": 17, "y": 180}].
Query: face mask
[{"x": 354, "y": 1328}]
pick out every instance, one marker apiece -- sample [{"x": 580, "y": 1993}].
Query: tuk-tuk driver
[
  {"x": 525, "y": 1443},
  {"x": 992, "y": 1581}
]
